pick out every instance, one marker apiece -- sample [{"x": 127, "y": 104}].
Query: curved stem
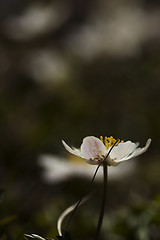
[
  {"x": 81, "y": 199},
  {"x": 105, "y": 178}
]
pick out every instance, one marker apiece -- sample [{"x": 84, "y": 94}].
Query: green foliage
[
  {"x": 5, "y": 219},
  {"x": 138, "y": 222}
]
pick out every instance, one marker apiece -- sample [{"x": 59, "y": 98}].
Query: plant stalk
[{"x": 105, "y": 178}]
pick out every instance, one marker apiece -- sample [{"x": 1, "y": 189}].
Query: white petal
[
  {"x": 136, "y": 152},
  {"x": 93, "y": 148},
  {"x": 35, "y": 236},
  {"x": 74, "y": 151},
  {"x": 57, "y": 169},
  {"x": 139, "y": 151},
  {"x": 122, "y": 149}
]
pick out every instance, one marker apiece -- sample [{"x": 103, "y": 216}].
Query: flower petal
[
  {"x": 93, "y": 148},
  {"x": 74, "y": 151},
  {"x": 136, "y": 152},
  {"x": 123, "y": 149}
]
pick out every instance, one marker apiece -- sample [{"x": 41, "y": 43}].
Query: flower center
[{"x": 109, "y": 141}]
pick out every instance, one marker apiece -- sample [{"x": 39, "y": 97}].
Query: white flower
[
  {"x": 34, "y": 236},
  {"x": 95, "y": 150},
  {"x": 57, "y": 169}
]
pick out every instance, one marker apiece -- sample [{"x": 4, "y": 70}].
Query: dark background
[{"x": 69, "y": 69}]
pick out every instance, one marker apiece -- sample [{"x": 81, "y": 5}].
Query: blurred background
[{"x": 69, "y": 69}]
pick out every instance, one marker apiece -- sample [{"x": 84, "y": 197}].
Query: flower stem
[{"x": 105, "y": 178}]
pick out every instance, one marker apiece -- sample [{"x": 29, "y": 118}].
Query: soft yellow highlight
[
  {"x": 76, "y": 160},
  {"x": 109, "y": 141}
]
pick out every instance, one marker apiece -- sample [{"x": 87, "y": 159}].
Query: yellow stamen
[
  {"x": 109, "y": 141},
  {"x": 101, "y": 138}
]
